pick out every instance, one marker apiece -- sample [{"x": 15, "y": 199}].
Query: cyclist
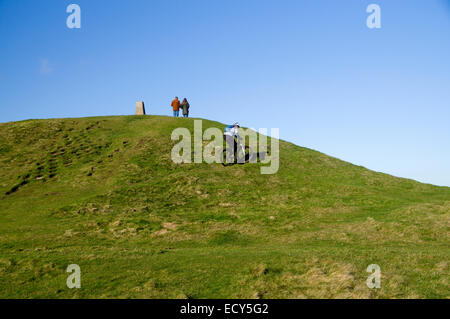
[{"x": 231, "y": 136}]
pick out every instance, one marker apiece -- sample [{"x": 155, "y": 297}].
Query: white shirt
[{"x": 233, "y": 132}]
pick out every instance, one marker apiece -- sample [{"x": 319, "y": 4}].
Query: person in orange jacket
[{"x": 176, "y": 107}]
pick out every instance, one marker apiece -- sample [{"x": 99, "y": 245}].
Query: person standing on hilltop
[
  {"x": 185, "y": 107},
  {"x": 176, "y": 106}
]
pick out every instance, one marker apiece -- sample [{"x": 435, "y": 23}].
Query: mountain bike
[{"x": 242, "y": 156}]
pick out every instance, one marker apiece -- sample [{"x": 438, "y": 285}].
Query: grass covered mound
[{"x": 104, "y": 193}]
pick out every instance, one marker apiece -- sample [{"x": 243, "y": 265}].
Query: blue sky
[{"x": 374, "y": 97}]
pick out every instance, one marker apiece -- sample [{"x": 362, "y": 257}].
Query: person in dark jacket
[{"x": 185, "y": 107}]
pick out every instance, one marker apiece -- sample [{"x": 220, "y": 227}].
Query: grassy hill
[{"x": 103, "y": 193}]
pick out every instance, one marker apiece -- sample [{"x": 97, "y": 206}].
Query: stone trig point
[{"x": 140, "y": 108}]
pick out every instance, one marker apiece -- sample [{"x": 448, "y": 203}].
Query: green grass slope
[{"x": 103, "y": 193}]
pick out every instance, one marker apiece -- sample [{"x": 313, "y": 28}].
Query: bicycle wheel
[
  {"x": 243, "y": 157},
  {"x": 224, "y": 159}
]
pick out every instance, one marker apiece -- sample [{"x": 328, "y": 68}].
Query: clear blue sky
[{"x": 377, "y": 98}]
